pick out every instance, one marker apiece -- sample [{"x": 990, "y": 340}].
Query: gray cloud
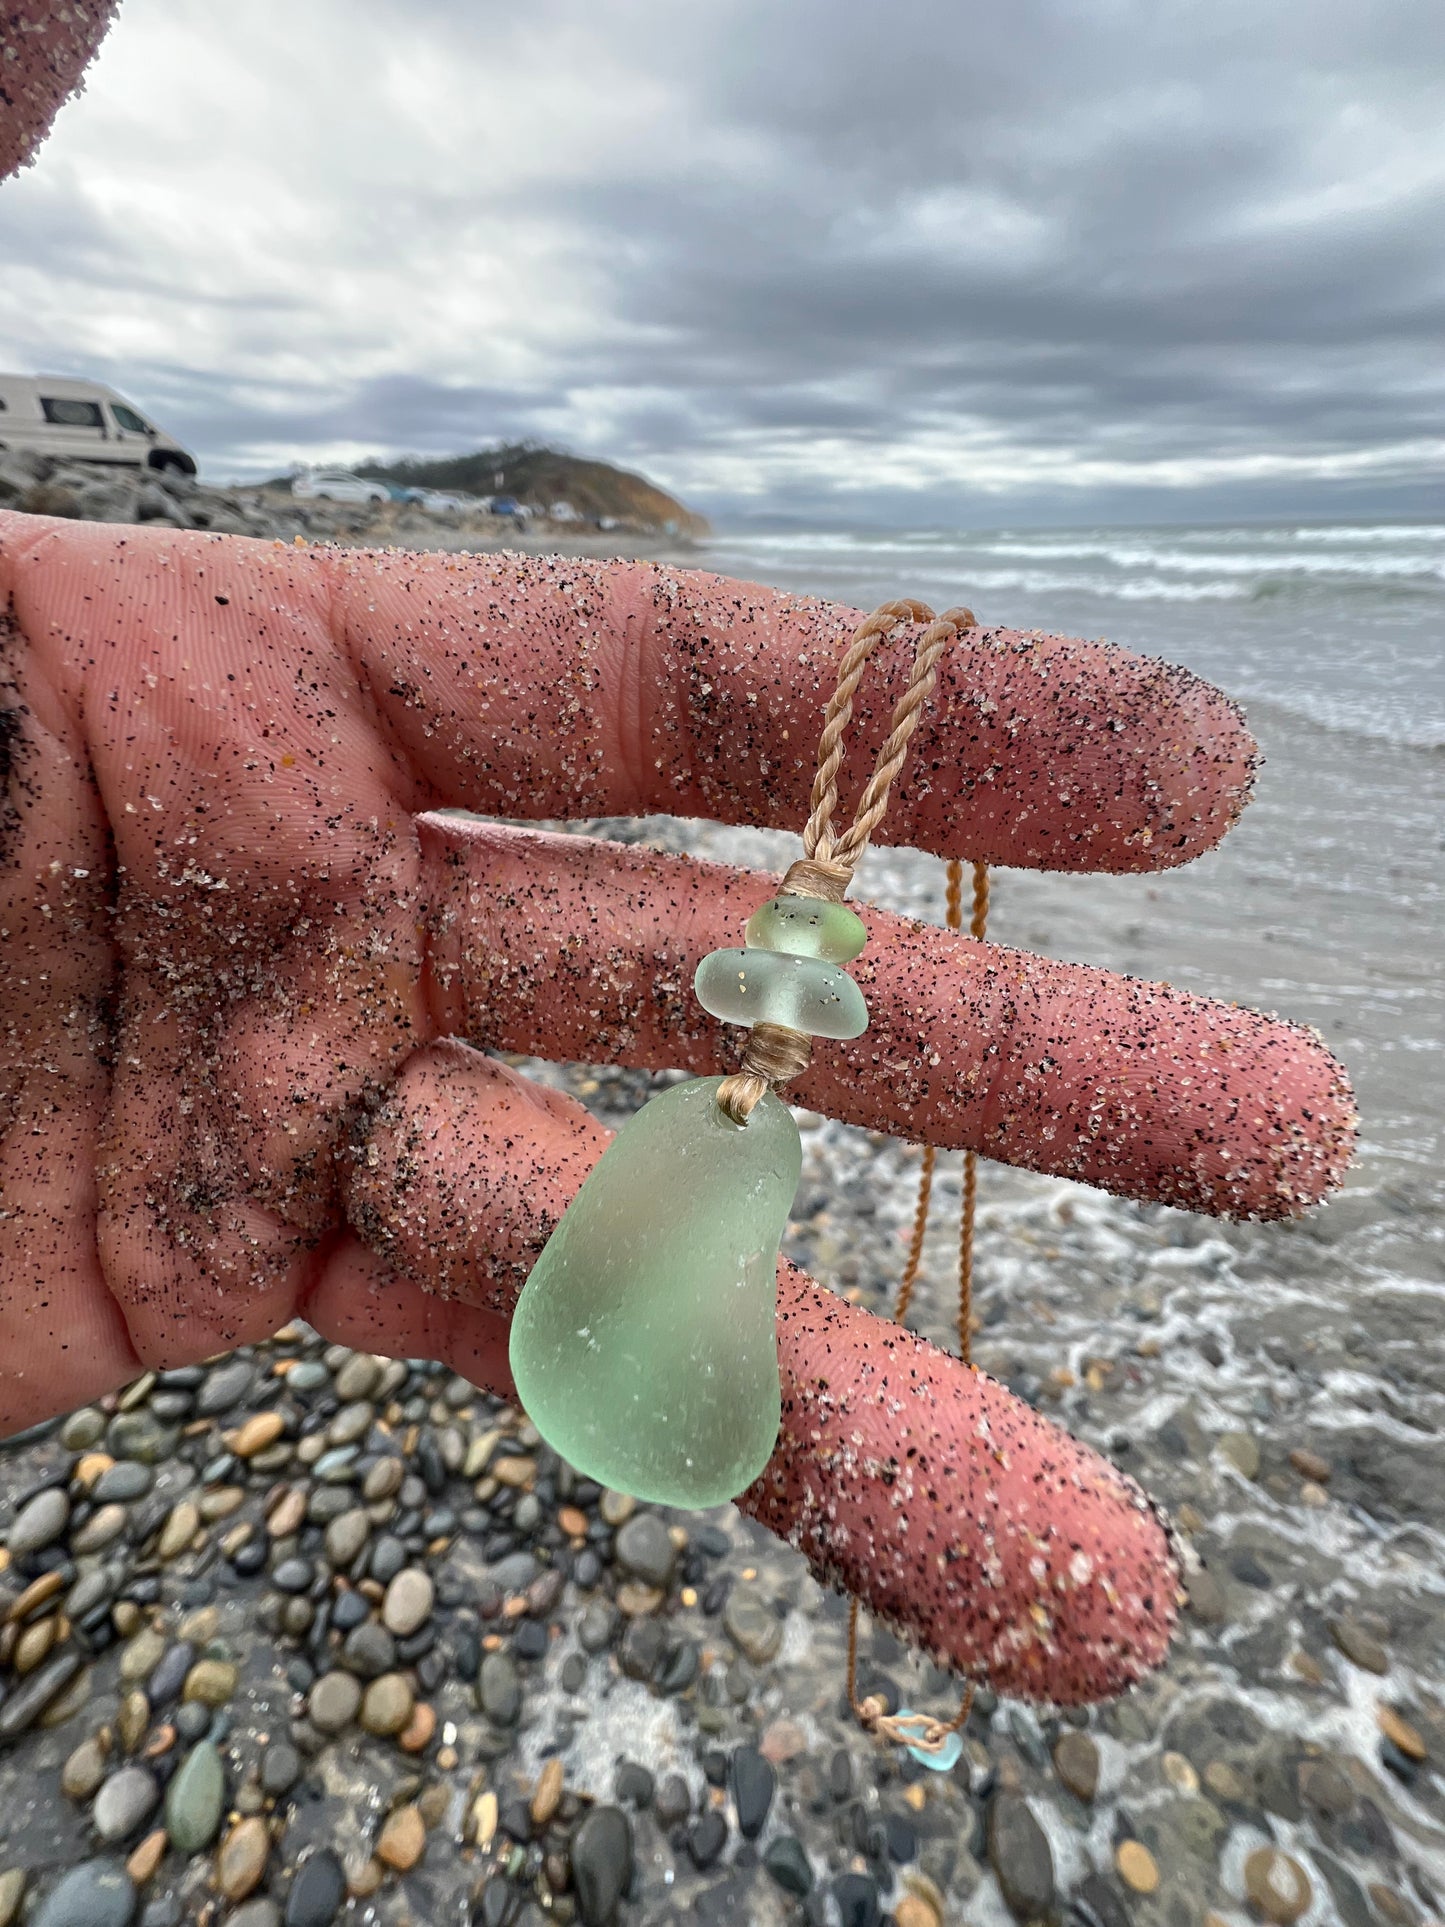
[{"x": 816, "y": 258}]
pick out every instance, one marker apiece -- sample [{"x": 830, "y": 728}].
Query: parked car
[
  {"x": 505, "y": 505},
  {"x": 83, "y": 421},
  {"x": 335, "y": 485},
  {"x": 439, "y": 501}
]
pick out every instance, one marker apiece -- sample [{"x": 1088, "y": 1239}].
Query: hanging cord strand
[
  {"x": 775, "y": 1052},
  {"x": 920, "y": 1730},
  {"x": 978, "y": 930}
]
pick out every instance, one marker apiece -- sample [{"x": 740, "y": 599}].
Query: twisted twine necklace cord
[
  {"x": 775, "y": 1052},
  {"x": 921, "y": 1730}
]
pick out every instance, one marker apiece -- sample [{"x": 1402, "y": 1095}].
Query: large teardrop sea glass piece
[
  {"x": 766, "y": 987},
  {"x": 643, "y": 1343}
]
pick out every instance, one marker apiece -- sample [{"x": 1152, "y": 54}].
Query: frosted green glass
[
  {"x": 764, "y": 987},
  {"x": 807, "y": 927},
  {"x": 643, "y": 1343}
]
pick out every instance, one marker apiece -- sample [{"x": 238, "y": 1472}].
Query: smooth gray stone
[{"x": 97, "y": 1893}]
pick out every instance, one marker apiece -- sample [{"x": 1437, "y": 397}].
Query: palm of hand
[{"x": 233, "y": 952}]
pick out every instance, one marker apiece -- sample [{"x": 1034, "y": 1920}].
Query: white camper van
[{"x": 83, "y": 421}]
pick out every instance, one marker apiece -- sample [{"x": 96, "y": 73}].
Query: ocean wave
[{"x": 1190, "y": 562}]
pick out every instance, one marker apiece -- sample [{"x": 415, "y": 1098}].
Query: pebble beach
[{"x": 302, "y": 1635}]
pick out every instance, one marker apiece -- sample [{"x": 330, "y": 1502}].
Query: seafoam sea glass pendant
[{"x": 643, "y": 1343}]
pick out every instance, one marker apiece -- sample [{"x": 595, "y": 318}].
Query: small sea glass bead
[
  {"x": 807, "y": 927},
  {"x": 766, "y": 987}
]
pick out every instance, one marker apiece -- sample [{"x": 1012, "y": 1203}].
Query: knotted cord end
[{"x": 774, "y": 1053}]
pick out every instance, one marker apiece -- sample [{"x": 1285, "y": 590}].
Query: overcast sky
[{"x": 917, "y": 260}]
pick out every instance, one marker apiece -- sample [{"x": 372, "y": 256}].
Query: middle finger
[{"x": 570, "y": 948}]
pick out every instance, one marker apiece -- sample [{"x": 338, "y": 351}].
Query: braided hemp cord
[{"x": 827, "y": 864}]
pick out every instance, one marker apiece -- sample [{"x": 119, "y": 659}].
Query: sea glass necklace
[{"x": 643, "y": 1343}]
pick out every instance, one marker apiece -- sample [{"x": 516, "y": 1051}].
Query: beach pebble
[
  {"x": 358, "y": 1378},
  {"x": 706, "y": 1838},
  {"x": 83, "y": 1429},
  {"x": 752, "y": 1625},
  {"x": 644, "y": 1548},
  {"x": 788, "y": 1864},
  {"x": 210, "y": 1682},
  {"x": 408, "y": 1603},
  {"x": 194, "y": 1799},
  {"x": 34, "y": 1643},
  {"x": 546, "y": 1793},
  {"x": 1136, "y": 1866},
  {"x": 1241, "y": 1451},
  {"x": 225, "y": 1387},
  {"x": 280, "y": 1768},
  {"x": 672, "y": 1801},
  {"x": 601, "y": 1856},
  {"x": 499, "y": 1691},
  {"x": 912, "y": 1911},
  {"x": 1076, "y": 1761},
  {"x": 386, "y": 1705},
  {"x": 258, "y": 1431},
  {"x": 101, "y": 1529},
  {"x": 856, "y": 1895},
  {"x": 241, "y": 1859},
  {"x": 334, "y": 1702},
  {"x": 1277, "y": 1885},
  {"x": 181, "y": 1526},
  {"x": 317, "y": 1892},
  {"x": 143, "y": 1861},
  {"x": 402, "y": 1839},
  {"x": 753, "y": 1784},
  {"x": 616, "y": 1508},
  {"x": 123, "y": 1483},
  {"x": 12, "y": 1892},
  {"x": 1360, "y": 1647},
  {"x": 368, "y": 1650},
  {"x": 132, "y": 1719},
  {"x": 1021, "y": 1857},
  {"x": 84, "y": 1770},
  {"x": 261, "y": 1912},
  {"x": 346, "y": 1535},
  {"x": 1400, "y": 1733},
  {"x": 129, "y": 1797},
  {"x": 416, "y": 1736},
  {"x": 97, "y": 1893},
  {"x": 28, "y": 1702},
  {"x": 40, "y": 1523},
  {"x": 1206, "y": 1597},
  {"x": 1311, "y": 1466}
]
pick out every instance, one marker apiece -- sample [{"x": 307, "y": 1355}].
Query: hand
[{"x": 236, "y": 953}]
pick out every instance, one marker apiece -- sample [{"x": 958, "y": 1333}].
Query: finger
[
  {"x": 995, "y": 1541},
  {"x": 989, "y": 1536},
  {"x": 577, "y": 949},
  {"x": 47, "y": 49},
  {"x": 530, "y": 686}
]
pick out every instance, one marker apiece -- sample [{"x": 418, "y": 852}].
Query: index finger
[{"x": 542, "y": 687}]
